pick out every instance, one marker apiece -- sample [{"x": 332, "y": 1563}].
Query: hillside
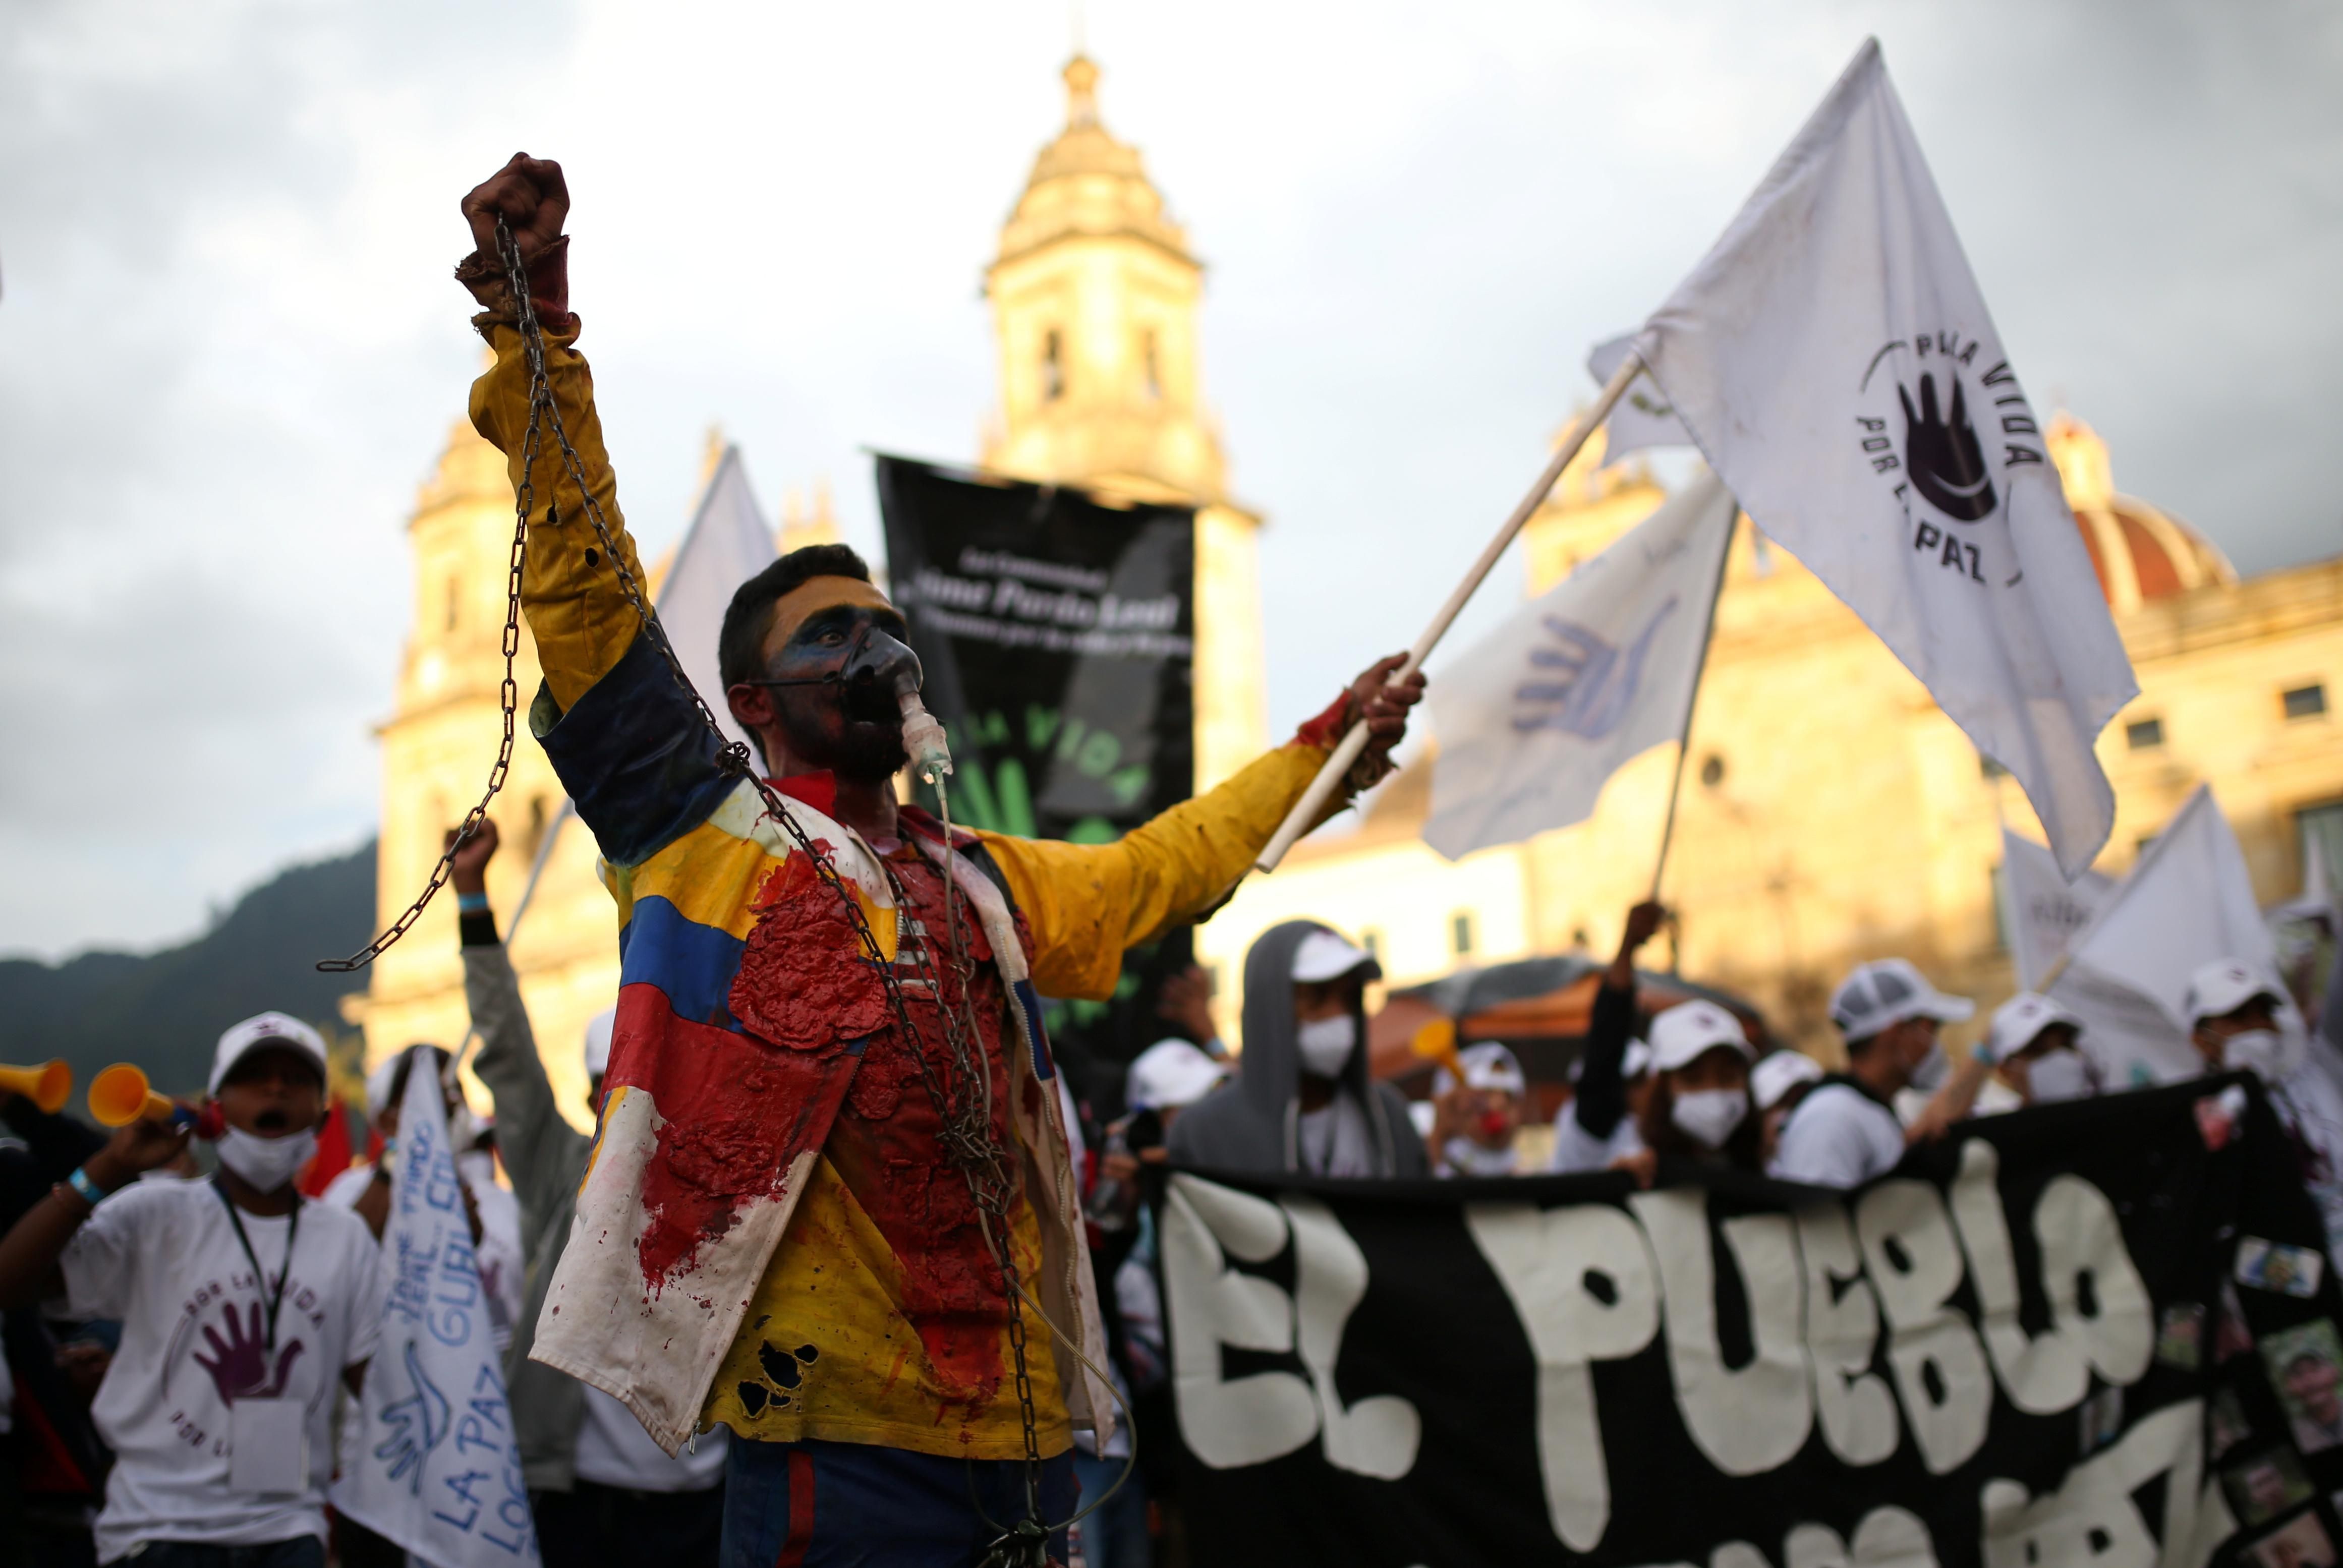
[{"x": 164, "y": 1010}]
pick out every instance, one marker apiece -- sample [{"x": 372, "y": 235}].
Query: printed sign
[
  {"x": 2032, "y": 1345},
  {"x": 1057, "y": 632},
  {"x": 439, "y": 1470}
]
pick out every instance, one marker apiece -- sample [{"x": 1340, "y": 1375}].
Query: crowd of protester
[{"x": 114, "y": 1245}]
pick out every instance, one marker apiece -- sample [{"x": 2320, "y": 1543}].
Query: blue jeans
[
  {"x": 1116, "y": 1535},
  {"x": 817, "y": 1504},
  {"x": 301, "y": 1551}
]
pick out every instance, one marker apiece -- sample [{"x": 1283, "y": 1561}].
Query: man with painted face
[
  {"x": 1302, "y": 1098},
  {"x": 829, "y": 1205}
]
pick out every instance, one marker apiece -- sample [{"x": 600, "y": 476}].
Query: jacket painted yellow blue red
[{"x": 722, "y": 1268}]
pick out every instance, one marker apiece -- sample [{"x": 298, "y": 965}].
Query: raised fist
[
  {"x": 533, "y": 199},
  {"x": 1943, "y": 456},
  {"x": 467, "y": 870}
]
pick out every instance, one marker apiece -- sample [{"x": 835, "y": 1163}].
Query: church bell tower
[{"x": 1094, "y": 298}]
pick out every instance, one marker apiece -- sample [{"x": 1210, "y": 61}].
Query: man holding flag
[{"x": 829, "y": 1205}]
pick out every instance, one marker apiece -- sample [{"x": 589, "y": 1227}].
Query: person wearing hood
[
  {"x": 1698, "y": 1108},
  {"x": 2240, "y": 1019},
  {"x": 1301, "y": 1100},
  {"x": 2035, "y": 1048},
  {"x": 1845, "y": 1131},
  {"x": 241, "y": 1307},
  {"x": 1475, "y": 1119}
]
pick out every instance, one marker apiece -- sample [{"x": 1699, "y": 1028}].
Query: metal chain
[
  {"x": 966, "y": 1116},
  {"x": 509, "y": 701}
]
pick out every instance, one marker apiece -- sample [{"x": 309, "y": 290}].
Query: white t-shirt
[
  {"x": 1334, "y": 1140},
  {"x": 1575, "y": 1149},
  {"x": 498, "y": 1253},
  {"x": 613, "y": 1450},
  {"x": 163, "y": 1257},
  {"x": 1838, "y": 1137}
]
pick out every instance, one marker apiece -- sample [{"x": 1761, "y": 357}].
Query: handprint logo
[
  {"x": 239, "y": 1363},
  {"x": 418, "y": 1424},
  {"x": 1943, "y": 454},
  {"x": 1593, "y": 685}
]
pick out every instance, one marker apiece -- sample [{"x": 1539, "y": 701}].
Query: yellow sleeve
[
  {"x": 576, "y": 611},
  {"x": 1085, "y": 903}
]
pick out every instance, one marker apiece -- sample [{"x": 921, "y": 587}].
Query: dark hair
[
  {"x": 740, "y": 645},
  {"x": 398, "y": 1075},
  {"x": 1660, "y": 1134}
]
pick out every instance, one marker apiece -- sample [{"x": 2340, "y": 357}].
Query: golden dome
[
  {"x": 1087, "y": 182},
  {"x": 2139, "y": 552}
]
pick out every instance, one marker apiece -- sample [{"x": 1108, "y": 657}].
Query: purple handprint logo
[{"x": 239, "y": 1364}]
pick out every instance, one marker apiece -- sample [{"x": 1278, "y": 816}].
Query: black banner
[
  {"x": 1058, "y": 635},
  {"x": 2101, "y": 1333}
]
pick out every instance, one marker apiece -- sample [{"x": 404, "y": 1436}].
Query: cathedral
[{"x": 1829, "y": 811}]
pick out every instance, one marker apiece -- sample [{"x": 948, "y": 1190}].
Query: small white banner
[{"x": 438, "y": 1470}]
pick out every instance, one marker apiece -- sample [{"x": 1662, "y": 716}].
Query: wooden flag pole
[
  {"x": 1684, "y": 740},
  {"x": 1306, "y": 812}
]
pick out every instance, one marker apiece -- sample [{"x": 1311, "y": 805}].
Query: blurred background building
[{"x": 1830, "y": 812}]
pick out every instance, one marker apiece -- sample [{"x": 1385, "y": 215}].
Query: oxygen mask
[{"x": 882, "y": 677}]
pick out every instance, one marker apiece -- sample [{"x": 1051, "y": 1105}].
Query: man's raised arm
[{"x": 576, "y": 611}]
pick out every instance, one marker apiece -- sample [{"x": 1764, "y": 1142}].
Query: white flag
[
  {"x": 1642, "y": 417},
  {"x": 1834, "y": 360},
  {"x": 728, "y": 543},
  {"x": 437, "y": 1470},
  {"x": 1598, "y": 669},
  {"x": 2189, "y": 901},
  {"x": 2040, "y": 909}
]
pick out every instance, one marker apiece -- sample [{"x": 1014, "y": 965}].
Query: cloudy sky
[{"x": 229, "y": 349}]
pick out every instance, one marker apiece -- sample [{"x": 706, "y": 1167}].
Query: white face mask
[
  {"x": 2059, "y": 1075},
  {"x": 1326, "y": 1043},
  {"x": 267, "y": 1162},
  {"x": 1709, "y": 1116},
  {"x": 2256, "y": 1051},
  {"x": 1929, "y": 1073}
]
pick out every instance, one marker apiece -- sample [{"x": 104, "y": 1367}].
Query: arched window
[
  {"x": 1053, "y": 367},
  {"x": 1152, "y": 366},
  {"x": 455, "y": 601}
]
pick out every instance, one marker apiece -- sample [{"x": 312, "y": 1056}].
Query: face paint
[{"x": 835, "y": 672}]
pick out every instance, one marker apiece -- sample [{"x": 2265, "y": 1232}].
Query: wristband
[
  {"x": 471, "y": 903},
  {"x": 1983, "y": 1051},
  {"x": 87, "y": 1190}
]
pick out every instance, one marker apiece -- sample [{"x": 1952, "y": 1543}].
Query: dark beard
[{"x": 870, "y": 751}]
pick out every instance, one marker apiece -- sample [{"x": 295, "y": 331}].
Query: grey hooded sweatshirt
[{"x": 1252, "y": 1124}]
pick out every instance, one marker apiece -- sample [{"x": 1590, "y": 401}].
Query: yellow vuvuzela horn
[
  {"x": 119, "y": 1096},
  {"x": 46, "y": 1086}
]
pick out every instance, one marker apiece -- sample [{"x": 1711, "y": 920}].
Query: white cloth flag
[
  {"x": 2189, "y": 900},
  {"x": 2041, "y": 909},
  {"x": 1598, "y": 669},
  {"x": 728, "y": 543},
  {"x": 1643, "y": 416},
  {"x": 439, "y": 1470},
  {"x": 1832, "y": 359}
]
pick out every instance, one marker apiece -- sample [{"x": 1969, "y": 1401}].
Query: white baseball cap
[
  {"x": 268, "y": 1028},
  {"x": 1487, "y": 1066},
  {"x": 1690, "y": 1030},
  {"x": 1324, "y": 956},
  {"x": 2224, "y": 986},
  {"x": 599, "y": 1030},
  {"x": 1884, "y": 992},
  {"x": 1170, "y": 1075},
  {"x": 2019, "y": 1021},
  {"x": 1778, "y": 1073}
]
